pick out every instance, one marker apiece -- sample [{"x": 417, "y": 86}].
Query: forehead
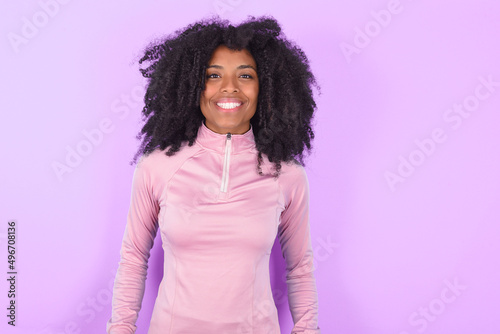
[{"x": 224, "y": 55}]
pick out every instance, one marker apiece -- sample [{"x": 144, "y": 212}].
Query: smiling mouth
[{"x": 229, "y": 105}]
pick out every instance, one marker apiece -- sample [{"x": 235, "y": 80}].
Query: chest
[{"x": 200, "y": 214}]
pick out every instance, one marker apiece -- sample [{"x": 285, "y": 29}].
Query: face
[{"x": 231, "y": 90}]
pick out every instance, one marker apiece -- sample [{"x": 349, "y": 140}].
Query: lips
[{"x": 228, "y": 104}]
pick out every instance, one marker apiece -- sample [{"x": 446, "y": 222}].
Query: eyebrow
[{"x": 239, "y": 67}]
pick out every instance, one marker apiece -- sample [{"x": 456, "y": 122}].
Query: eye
[
  {"x": 247, "y": 76},
  {"x": 212, "y": 76}
]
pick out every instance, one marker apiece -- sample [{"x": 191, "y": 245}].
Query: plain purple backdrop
[{"x": 403, "y": 178}]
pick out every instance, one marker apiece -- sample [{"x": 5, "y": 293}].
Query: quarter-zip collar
[{"x": 217, "y": 141}]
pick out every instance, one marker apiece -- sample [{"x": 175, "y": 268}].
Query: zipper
[{"x": 225, "y": 166}]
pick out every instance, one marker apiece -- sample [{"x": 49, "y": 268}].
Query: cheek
[
  {"x": 255, "y": 95},
  {"x": 204, "y": 99},
  {"x": 207, "y": 94},
  {"x": 203, "y": 105},
  {"x": 256, "y": 90}
]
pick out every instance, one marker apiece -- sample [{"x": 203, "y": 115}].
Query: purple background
[{"x": 404, "y": 188}]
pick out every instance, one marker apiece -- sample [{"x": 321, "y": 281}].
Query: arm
[
  {"x": 295, "y": 241},
  {"x": 138, "y": 238}
]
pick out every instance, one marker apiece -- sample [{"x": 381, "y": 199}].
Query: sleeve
[
  {"x": 138, "y": 239},
  {"x": 295, "y": 241}
]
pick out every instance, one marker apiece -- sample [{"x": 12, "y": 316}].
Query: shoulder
[
  {"x": 292, "y": 169},
  {"x": 158, "y": 166},
  {"x": 293, "y": 177},
  {"x": 289, "y": 170}
]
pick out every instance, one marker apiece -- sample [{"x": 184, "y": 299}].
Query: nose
[{"x": 229, "y": 84}]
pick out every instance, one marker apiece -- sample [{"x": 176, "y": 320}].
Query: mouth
[{"x": 228, "y": 105}]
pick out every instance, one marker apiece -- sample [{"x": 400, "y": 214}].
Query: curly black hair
[{"x": 176, "y": 79}]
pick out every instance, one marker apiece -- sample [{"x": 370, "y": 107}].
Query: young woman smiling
[
  {"x": 221, "y": 175},
  {"x": 229, "y": 100}
]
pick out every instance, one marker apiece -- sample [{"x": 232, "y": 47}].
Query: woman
[{"x": 228, "y": 114}]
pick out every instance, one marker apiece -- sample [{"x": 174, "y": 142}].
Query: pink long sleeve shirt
[{"x": 218, "y": 220}]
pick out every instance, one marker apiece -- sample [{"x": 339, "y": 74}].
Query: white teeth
[{"x": 230, "y": 105}]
